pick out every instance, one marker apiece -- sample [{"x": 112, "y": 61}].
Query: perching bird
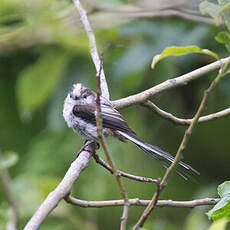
[{"x": 80, "y": 114}]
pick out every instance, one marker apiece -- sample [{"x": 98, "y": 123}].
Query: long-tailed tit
[{"x": 80, "y": 114}]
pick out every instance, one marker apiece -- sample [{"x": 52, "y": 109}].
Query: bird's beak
[{"x": 74, "y": 97}]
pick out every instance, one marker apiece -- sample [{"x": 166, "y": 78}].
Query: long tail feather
[
  {"x": 166, "y": 164},
  {"x": 158, "y": 154}
]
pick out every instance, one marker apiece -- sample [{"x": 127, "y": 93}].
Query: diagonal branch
[
  {"x": 124, "y": 174},
  {"x": 123, "y": 192},
  {"x": 180, "y": 121},
  {"x": 138, "y": 202},
  {"x": 182, "y": 147},
  {"x": 63, "y": 189},
  {"x": 93, "y": 47},
  {"x": 169, "y": 84}
]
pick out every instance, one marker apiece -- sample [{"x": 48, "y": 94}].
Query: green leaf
[
  {"x": 36, "y": 82},
  {"x": 224, "y": 189},
  {"x": 219, "y": 225},
  {"x": 219, "y": 209},
  {"x": 179, "y": 51},
  {"x": 226, "y": 11},
  {"x": 222, "y": 208},
  {"x": 224, "y": 38},
  {"x": 222, "y": 212},
  {"x": 212, "y": 9},
  {"x": 217, "y": 11},
  {"x": 9, "y": 159}
]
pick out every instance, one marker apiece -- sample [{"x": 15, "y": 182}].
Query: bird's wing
[{"x": 112, "y": 119}]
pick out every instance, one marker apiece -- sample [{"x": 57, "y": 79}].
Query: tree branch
[
  {"x": 138, "y": 202},
  {"x": 165, "y": 13},
  {"x": 180, "y": 121},
  {"x": 134, "y": 12},
  {"x": 124, "y": 174},
  {"x": 170, "y": 83},
  {"x": 123, "y": 192},
  {"x": 6, "y": 184},
  {"x": 93, "y": 47},
  {"x": 63, "y": 189},
  {"x": 182, "y": 147}
]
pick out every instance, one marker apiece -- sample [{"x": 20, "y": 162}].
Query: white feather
[
  {"x": 142, "y": 144},
  {"x": 135, "y": 140},
  {"x": 77, "y": 89}
]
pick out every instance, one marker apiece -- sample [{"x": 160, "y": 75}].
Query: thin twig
[
  {"x": 180, "y": 121},
  {"x": 93, "y": 47},
  {"x": 138, "y": 202},
  {"x": 123, "y": 192},
  {"x": 124, "y": 174},
  {"x": 182, "y": 147},
  {"x": 63, "y": 189},
  {"x": 170, "y": 83},
  {"x": 6, "y": 184}
]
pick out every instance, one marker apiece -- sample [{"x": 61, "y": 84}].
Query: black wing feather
[{"x": 111, "y": 118}]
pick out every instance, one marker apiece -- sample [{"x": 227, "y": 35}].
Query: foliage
[
  {"x": 217, "y": 11},
  {"x": 43, "y": 51},
  {"x": 222, "y": 209},
  {"x": 180, "y": 51},
  {"x": 220, "y": 13}
]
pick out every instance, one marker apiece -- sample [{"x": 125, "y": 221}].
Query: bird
[{"x": 79, "y": 112}]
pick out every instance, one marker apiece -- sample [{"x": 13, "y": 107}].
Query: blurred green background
[{"x": 44, "y": 50}]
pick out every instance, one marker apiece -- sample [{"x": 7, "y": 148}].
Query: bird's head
[{"x": 82, "y": 95}]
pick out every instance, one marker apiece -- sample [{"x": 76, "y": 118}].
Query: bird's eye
[{"x": 85, "y": 93}]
